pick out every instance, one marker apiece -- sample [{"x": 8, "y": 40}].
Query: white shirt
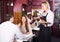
[
  {"x": 50, "y": 17},
  {"x": 8, "y": 31}
]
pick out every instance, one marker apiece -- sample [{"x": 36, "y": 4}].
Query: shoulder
[
  {"x": 16, "y": 27},
  {"x": 3, "y": 23}
]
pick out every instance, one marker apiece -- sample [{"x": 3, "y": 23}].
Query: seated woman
[{"x": 26, "y": 28}]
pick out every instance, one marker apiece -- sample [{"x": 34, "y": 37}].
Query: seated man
[{"x": 9, "y": 31}]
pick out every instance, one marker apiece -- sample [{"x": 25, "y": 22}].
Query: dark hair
[
  {"x": 35, "y": 14},
  {"x": 26, "y": 25},
  {"x": 8, "y": 16}
]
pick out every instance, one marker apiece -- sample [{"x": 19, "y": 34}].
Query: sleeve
[
  {"x": 19, "y": 35},
  {"x": 50, "y": 19}
]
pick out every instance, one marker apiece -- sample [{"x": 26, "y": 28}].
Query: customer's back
[{"x": 8, "y": 31}]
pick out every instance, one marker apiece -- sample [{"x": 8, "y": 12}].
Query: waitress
[{"x": 46, "y": 22}]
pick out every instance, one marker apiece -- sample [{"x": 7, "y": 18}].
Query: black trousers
[{"x": 44, "y": 34}]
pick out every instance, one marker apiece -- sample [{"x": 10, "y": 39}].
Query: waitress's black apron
[{"x": 44, "y": 34}]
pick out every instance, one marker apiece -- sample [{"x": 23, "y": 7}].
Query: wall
[{"x": 32, "y": 4}]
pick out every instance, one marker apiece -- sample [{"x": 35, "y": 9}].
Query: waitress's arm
[{"x": 50, "y": 19}]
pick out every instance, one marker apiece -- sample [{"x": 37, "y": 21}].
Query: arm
[
  {"x": 19, "y": 35},
  {"x": 50, "y": 19}
]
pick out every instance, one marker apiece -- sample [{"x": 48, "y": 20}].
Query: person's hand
[
  {"x": 19, "y": 25},
  {"x": 28, "y": 33},
  {"x": 32, "y": 25}
]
